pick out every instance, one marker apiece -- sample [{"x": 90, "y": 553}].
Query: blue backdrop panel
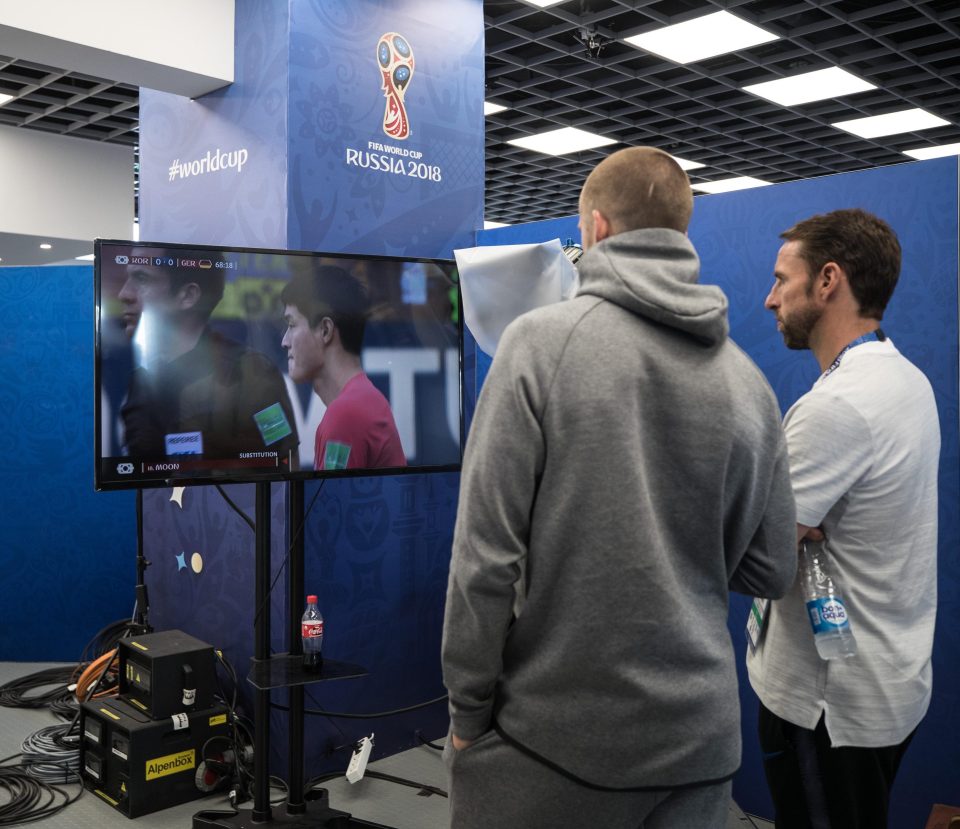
[
  {"x": 378, "y": 553},
  {"x": 67, "y": 554},
  {"x": 737, "y": 237},
  {"x": 213, "y": 170},
  {"x": 202, "y": 567},
  {"x": 241, "y": 202},
  {"x": 377, "y": 549},
  {"x": 353, "y": 186}
]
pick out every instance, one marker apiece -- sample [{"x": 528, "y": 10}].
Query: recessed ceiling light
[
  {"x": 810, "y": 86},
  {"x": 907, "y": 120},
  {"x": 934, "y": 152},
  {"x": 45, "y": 246},
  {"x": 703, "y": 37},
  {"x": 87, "y": 257},
  {"x": 490, "y": 108},
  {"x": 685, "y": 164},
  {"x": 543, "y": 4},
  {"x": 4, "y": 98},
  {"x": 562, "y": 141},
  {"x": 493, "y": 225},
  {"x": 726, "y": 185}
]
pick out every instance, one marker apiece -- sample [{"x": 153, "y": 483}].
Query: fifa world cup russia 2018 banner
[{"x": 386, "y": 126}]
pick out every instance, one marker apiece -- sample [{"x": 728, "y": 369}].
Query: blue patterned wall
[
  {"x": 352, "y": 188},
  {"x": 67, "y": 554},
  {"x": 213, "y": 170},
  {"x": 378, "y": 555},
  {"x": 736, "y": 235},
  {"x": 377, "y": 550}
]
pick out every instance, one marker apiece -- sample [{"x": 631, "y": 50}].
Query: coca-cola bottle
[{"x": 311, "y": 631}]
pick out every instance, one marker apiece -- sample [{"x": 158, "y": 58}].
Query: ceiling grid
[
  {"x": 699, "y": 111},
  {"x": 68, "y": 103},
  {"x": 568, "y": 66}
]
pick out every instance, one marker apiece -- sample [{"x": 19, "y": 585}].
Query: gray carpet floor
[{"x": 378, "y": 801}]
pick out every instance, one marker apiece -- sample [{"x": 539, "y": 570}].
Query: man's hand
[
  {"x": 459, "y": 744},
  {"x": 809, "y": 533}
]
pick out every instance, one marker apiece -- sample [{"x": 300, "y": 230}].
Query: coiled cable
[
  {"x": 52, "y": 754},
  {"x": 27, "y": 691}
]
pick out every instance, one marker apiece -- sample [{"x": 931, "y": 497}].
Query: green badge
[
  {"x": 273, "y": 424},
  {"x": 335, "y": 455}
]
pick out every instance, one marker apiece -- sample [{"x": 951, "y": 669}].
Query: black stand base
[{"x": 318, "y": 815}]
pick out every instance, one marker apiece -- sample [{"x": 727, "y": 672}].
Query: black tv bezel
[{"x": 242, "y": 476}]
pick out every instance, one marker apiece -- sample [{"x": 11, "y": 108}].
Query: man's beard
[{"x": 796, "y": 329}]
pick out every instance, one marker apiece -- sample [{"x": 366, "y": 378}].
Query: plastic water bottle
[
  {"x": 311, "y": 631},
  {"x": 828, "y": 615}
]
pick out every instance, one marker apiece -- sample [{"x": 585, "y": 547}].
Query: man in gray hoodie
[{"x": 625, "y": 468}]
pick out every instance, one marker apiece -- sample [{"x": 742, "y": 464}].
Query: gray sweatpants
[{"x": 493, "y": 784}]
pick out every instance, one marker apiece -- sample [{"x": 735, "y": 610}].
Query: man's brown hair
[{"x": 862, "y": 244}]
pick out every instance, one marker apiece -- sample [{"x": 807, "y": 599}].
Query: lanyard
[{"x": 872, "y": 336}]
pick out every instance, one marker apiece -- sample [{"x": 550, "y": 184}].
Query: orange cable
[{"x": 92, "y": 671}]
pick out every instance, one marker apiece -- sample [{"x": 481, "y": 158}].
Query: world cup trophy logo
[{"x": 396, "y": 66}]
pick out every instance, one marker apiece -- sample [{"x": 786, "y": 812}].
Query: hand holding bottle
[{"x": 828, "y": 614}]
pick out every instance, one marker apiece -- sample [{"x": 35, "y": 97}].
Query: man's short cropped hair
[
  {"x": 329, "y": 291},
  {"x": 639, "y": 187},
  {"x": 862, "y": 244}
]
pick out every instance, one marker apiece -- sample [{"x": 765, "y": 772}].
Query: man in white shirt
[{"x": 864, "y": 446}]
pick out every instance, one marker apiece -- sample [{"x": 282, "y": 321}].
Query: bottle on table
[
  {"x": 311, "y": 631},
  {"x": 828, "y": 614}
]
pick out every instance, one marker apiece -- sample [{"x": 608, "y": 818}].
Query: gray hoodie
[{"x": 625, "y": 468}]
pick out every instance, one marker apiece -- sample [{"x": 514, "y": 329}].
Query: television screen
[{"x": 221, "y": 365}]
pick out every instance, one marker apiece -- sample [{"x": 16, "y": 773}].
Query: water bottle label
[
  {"x": 311, "y": 629},
  {"x": 827, "y": 614}
]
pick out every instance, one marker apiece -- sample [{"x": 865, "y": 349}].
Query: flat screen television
[{"x": 224, "y": 365}]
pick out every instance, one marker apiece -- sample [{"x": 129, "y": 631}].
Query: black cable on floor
[
  {"x": 52, "y": 754},
  {"x": 66, "y": 709},
  {"x": 26, "y": 691},
  {"x": 423, "y": 787},
  {"x": 426, "y": 742},
  {"x": 25, "y": 799},
  {"x": 379, "y": 775}
]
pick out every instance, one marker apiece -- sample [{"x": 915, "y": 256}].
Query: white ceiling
[
  {"x": 570, "y": 66},
  {"x": 25, "y": 251}
]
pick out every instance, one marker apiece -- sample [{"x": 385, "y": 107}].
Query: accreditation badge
[{"x": 756, "y": 622}]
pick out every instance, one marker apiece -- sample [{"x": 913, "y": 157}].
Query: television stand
[
  {"x": 301, "y": 811},
  {"x": 317, "y": 814}
]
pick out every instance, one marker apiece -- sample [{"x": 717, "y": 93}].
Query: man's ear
[
  {"x": 188, "y": 295},
  {"x": 601, "y": 227},
  {"x": 324, "y": 330},
  {"x": 828, "y": 280}
]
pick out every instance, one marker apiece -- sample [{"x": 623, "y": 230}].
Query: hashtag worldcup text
[{"x": 214, "y": 161}]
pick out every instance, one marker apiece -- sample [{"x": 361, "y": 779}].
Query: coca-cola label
[{"x": 311, "y": 629}]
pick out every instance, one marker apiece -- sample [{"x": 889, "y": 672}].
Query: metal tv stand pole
[{"x": 282, "y": 671}]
